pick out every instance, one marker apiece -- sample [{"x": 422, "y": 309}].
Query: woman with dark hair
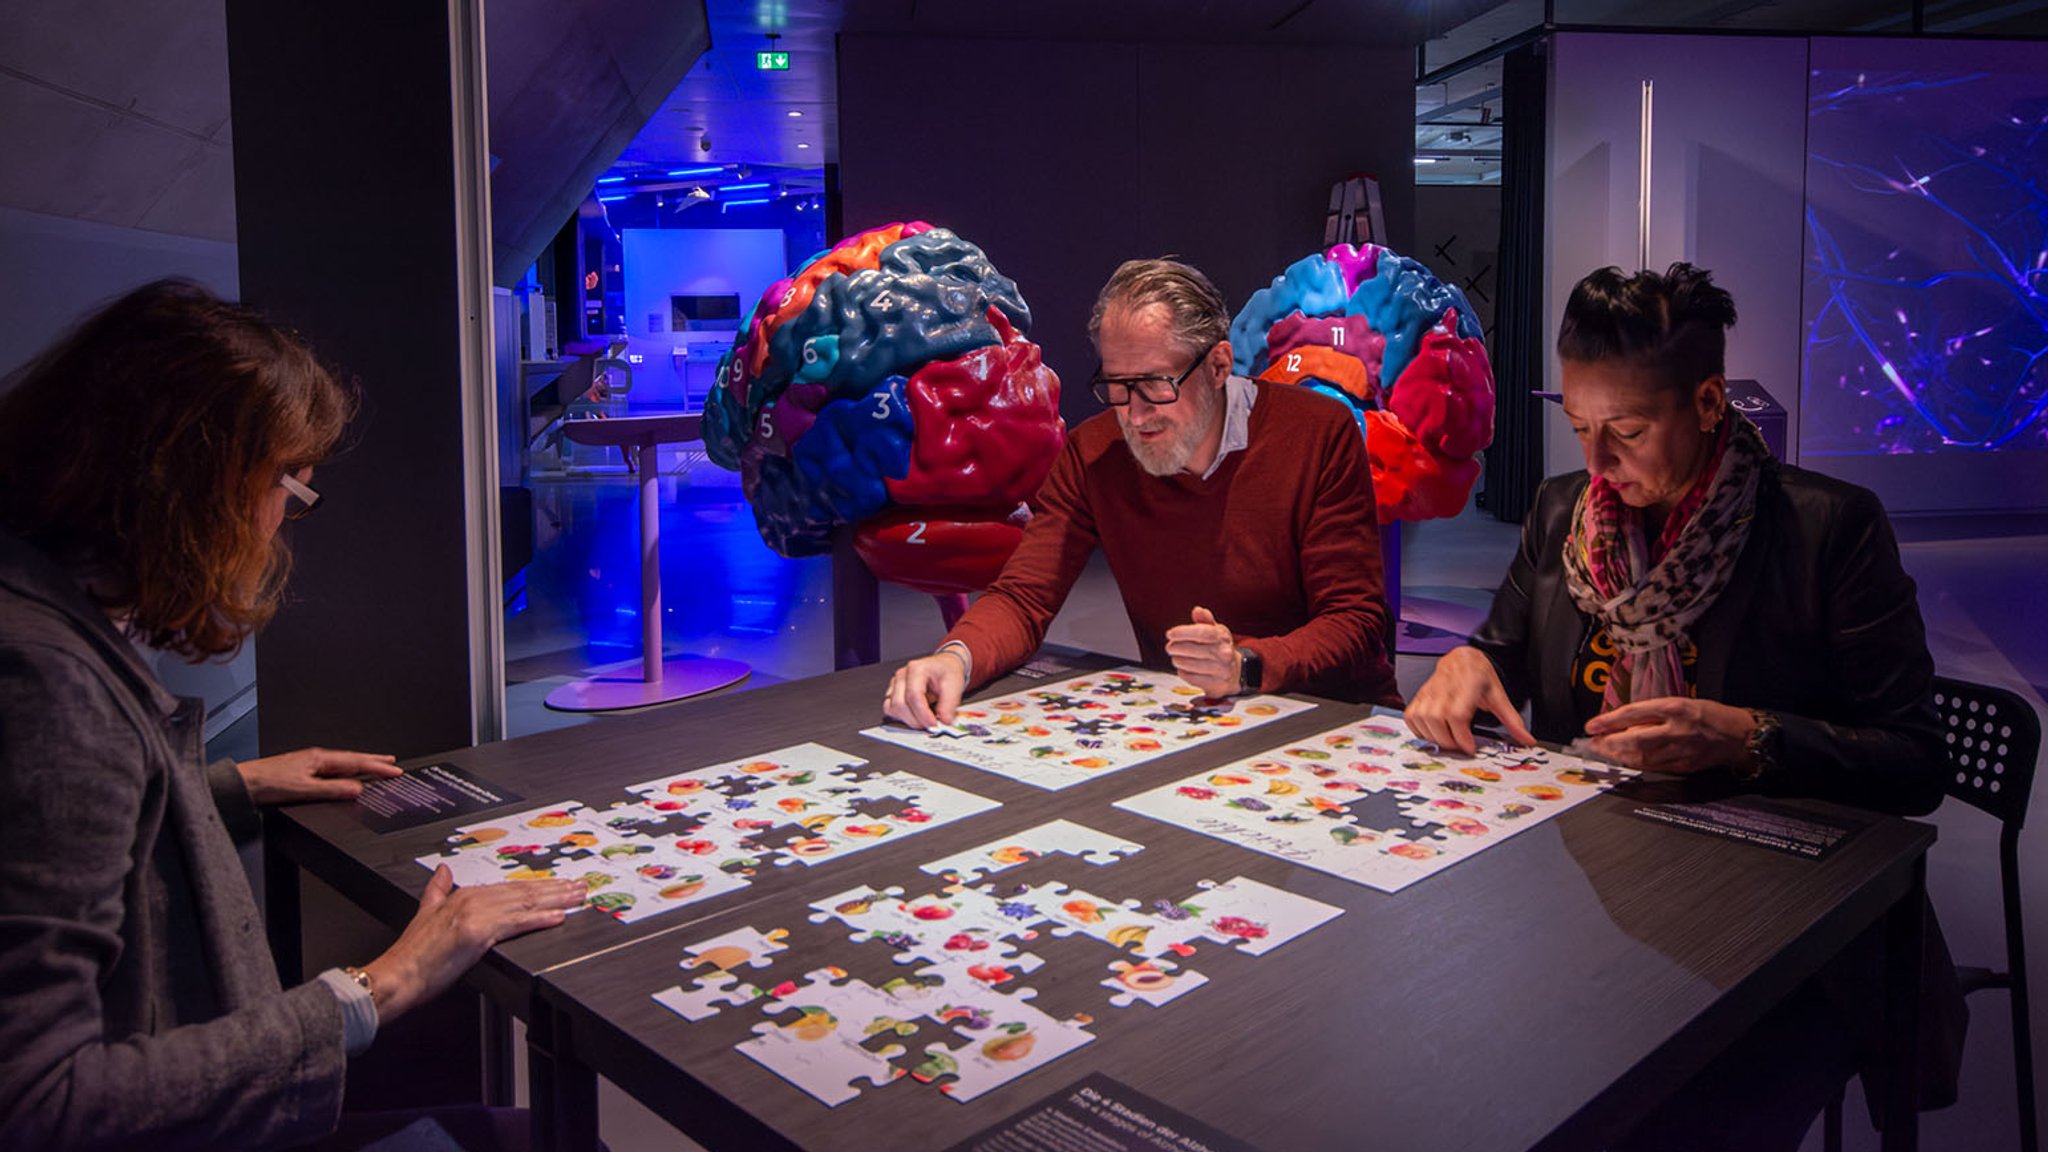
[
  {"x": 1692, "y": 606},
  {"x": 1687, "y": 602},
  {"x": 146, "y": 464}
]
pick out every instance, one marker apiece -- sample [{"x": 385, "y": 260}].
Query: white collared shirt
[{"x": 1239, "y": 394}]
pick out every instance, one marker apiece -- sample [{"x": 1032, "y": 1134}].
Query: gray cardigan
[{"x": 139, "y": 1005}]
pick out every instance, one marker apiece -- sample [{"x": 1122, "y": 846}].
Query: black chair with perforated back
[{"x": 1994, "y": 737}]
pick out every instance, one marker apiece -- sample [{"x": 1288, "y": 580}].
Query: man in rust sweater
[{"x": 1236, "y": 516}]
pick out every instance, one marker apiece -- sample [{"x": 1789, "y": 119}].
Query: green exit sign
[{"x": 771, "y": 61}]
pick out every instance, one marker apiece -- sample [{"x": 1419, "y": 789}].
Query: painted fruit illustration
[
  {"x": 1414, "y": 851},
  {"x": 1014, "y": 1047},
  {"x": 1144, "y": 978},
  {"x": 617, "y": 850},
  {"x": 935, "y": 1065},
  {"x": 481, "y": 836},
  {"x": 1194, "y": 793},
  {"x": 1012, "y": 854},
  {"x": 1091, "y": 762},
  {"x": 1129, "y": 935},
  {"x": 866, "y": 830},
  {"x": 812, "y": 1023},
  {"x": 529, "y": 874},
  {"x": 725, "y": 956},
  {"x": 1466, "y": 826},
  {"x": 611, "y": 902},
  {"x": 1282, "y": 788},
  {"x": 1227, "y": 779},
  {"x": 579, "y": 839},
  {"x": 1143, "y": 745},
  {"x": 1486, "y": 774},
  {"x": 810, "y": 847},
  {"x": 1239, "y": 927},
  {"x": 1261, "y": 710},
  {"x": 688, "y": 886},
  {"x": 965, "y": 942},
  {"x": 684, "y": 787},
  {"x": 1083, "y": 910},
  {"x": 556, "y": 819},
  {"x": 932, "y": 912},
  {"x": 756, "y": 767},
  {"x": 855, "y": 906},
  {"x": 1541, "y": 791}
]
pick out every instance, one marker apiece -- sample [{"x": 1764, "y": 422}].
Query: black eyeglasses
[
  {"x": 1115, "y": 391},
  {"x": 300, "y": 497}
]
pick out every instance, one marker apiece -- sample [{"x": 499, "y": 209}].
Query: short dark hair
[
  {"x": 138, "y": 450},
  {"x": 1674, "y": 323}
]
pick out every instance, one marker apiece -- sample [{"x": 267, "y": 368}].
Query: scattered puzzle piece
[
  {"x": 739, "y": 946},
  {"x": 701, "y": 1001},
  {"x": 1150, "y": 981},
  {"x": 1061, "y": 836},
  {"x": 819, "y": 1044}
]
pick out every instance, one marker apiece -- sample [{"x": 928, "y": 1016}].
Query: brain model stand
[
  {"x": 1401, "y": 349},
  {"x": 889, "y": 385}
]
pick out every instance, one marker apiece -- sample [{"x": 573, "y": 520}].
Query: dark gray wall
[
  {"x": 345, "y": 192},
  {"x": 1063, "y": 159}
]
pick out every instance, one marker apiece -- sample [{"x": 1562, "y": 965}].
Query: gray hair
[{"x": 1198, "y": 314}]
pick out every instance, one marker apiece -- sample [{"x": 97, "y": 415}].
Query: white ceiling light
[
  {"x": 795, "y": 113},
  {"x": 801, "y": 144}
]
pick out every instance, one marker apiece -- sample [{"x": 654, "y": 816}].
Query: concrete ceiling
[{"x": 116, "y": 111}]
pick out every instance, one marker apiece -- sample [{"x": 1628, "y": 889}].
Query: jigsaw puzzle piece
[
  {"x": 701, "y": 1001},
  {"x": 819, "y": 1043},
  {"x": 729, "y": 950},
  {"x": 1058, "y": 836},
  {"x": 1004, "y": 1038},
  {"x": 1256, "y": 917},
  {"x": 1150, "y": 981}
]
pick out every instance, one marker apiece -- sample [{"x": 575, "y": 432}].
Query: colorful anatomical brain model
[
  {"x": 888, "y": 384},
  {"x": 1377, "y": 331}
]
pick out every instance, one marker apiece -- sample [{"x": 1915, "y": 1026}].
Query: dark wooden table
[{"x": 1547, "y": 993}]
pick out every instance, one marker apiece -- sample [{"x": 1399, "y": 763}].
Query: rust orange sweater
[{"x": 1280, "y": 543}]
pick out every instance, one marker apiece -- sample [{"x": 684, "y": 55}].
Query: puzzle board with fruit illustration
[
  {"x": 700, "y": 833},
  {"x": 965, "y": 972},
  {"x": 1372, "y": 804},
  {"x": 1058, "y": 735}
]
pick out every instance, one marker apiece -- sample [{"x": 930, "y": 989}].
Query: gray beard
[{"x": 1172, "y": 455}]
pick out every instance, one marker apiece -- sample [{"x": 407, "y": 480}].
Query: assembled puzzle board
[
  {"x": 1058, "y": 735},
  {"x": 1374, "y": 805},
  {"x": 965, "y": 976},
  {"x": 697, "y": 834}
]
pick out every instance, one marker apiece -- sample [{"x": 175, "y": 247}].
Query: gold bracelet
[{"x": 360, "y": 977}]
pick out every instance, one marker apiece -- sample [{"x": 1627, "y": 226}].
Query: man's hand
[
  {"x": 925, "y": 693},
  {"x": 1464, "y": 682},
  {"x": 1205, "y": 655},
  {"x": 313, "y": 774},
  {"x": 1673, "y": 734}
]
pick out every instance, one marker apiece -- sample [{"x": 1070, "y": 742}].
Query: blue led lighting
[
  {"x": 744, "y": 187},
  {"x": 612, "y": 199},
  {"x": 611, "y": 179},
  {"x": 737, "y": 203},
  {"x": 714, "y": 170}
]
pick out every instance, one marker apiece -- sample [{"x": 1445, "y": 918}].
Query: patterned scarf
[{"x": 1648, "y": 601}]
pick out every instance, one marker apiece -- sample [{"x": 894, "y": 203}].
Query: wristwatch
[
  {"x": 1251, "y": 671},
  {"x": 1761, "y": 749}
]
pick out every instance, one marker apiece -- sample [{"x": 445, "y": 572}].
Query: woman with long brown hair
[{"x": 147, "y": 462}]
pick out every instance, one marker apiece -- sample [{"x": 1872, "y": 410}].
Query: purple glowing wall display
[{"x": 1926, "y": 296}]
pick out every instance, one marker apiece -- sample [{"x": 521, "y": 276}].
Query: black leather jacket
[{"x": 1818, "y": 624}]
